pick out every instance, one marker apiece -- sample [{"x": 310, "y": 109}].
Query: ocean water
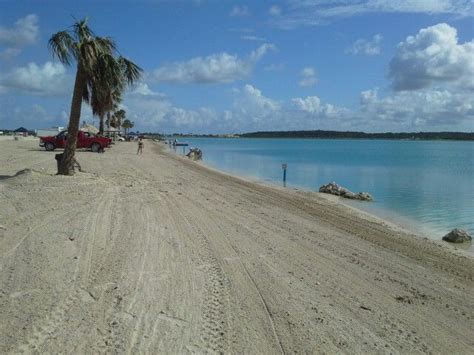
[{"x": 426, "y": 186}]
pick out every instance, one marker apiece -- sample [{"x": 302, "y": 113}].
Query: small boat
[{"x": 179, "y": 144}]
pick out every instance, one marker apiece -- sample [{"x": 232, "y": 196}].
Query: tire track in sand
[
  {"x": 77, "y": 295},
  {"x": 214, "y": 331}
]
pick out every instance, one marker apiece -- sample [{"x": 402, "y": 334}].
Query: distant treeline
[{"x": 465, "y": 136}]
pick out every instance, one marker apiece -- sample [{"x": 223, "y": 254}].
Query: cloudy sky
[{"x": 217, "y": 66}]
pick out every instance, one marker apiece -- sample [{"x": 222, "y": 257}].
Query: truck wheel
[
  {"x": 95, "y": 147},
  {"x": 49, "y": 146}
]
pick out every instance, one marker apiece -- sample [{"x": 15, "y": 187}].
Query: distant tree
[
  {"x": 103, "y": 100},
  {"x": 97, "y": 69},
  {"x": 127, "y": 124},
  {"x": 119, "y": 118},
  {"x": 109, "y": 115}
]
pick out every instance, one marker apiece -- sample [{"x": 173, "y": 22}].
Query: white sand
[{"x": 156, "y": 254}]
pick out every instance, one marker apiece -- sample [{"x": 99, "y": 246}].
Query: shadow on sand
[{"x": 17, "y": 174}]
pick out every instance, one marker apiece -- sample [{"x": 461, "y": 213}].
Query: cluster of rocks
[
  {"x": 335, "y": 189},
  {"x": 457, "y": 236}
]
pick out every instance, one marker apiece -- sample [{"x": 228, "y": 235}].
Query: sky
[{"x": 217, "y": 66}]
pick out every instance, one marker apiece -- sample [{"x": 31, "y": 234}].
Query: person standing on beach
[{"x": 140, "y": 146}]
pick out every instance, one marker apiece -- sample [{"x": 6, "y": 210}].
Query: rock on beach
[
  {"x": 457, "y": 236},
  {"x": 335, "y": 189}
]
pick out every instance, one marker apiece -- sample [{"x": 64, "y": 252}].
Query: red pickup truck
[{"x": 84, "y": 140}]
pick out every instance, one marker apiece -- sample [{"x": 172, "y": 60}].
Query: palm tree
[
  {"x": 113, "y": 108},
  {"x": 107, "y": 94},
  {"x": 102, "y": 102},
  {"x": 97, "y": 68},
  {"x": 119, "y": 118},
  {"x": 127, "y": 124}
]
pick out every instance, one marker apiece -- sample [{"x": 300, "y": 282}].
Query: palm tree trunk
[
  {"x": 101, "y": 124},
  {"x": 66, "y": 163}
]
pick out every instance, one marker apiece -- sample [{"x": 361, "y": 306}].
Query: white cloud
[
  {"x": 216, "y": 68},
  {"x": 408, "y": 110},
  {"x": 258, "y": 54},
  {"x": 368, "y": 97},
  {"x": 50, "y": 79},
  {"x": 318, "y": 12},
  {"x": 254, "y": 111},
  {"x": 251, "y": 101},
  {"x": 185, "y": 120},
  {"x": 307, "y": 77},
  {"x": 275, "y": 10},
  {"x": 426, "y": 110},
  {"x": 433, "y": 56},
  {"x": 458, "y": 7},
  {"x": 251, "y": 110},
  {"x": 154, "y": 111},
  {"x": 313, "y": 106},
  {"x": 24, "y": 32},
  {"x": 239, "y": 11},
  {"x": 142, "y": 89},
  {"x": 367, "y": 47}
]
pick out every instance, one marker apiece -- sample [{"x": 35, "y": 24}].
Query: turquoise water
[{"x": 424, "y": 185}]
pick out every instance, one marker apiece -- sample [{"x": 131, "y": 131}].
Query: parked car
[{"x": 84, "y": 140}]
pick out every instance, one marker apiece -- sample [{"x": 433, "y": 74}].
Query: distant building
[
  {"x": 21, "y": 131},
  {"x": 113, "y": 133}
]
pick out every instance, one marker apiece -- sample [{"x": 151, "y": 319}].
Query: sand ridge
[{"x": 158, "y": 254}]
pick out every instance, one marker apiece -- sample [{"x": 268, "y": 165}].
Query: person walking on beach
[{"x": 140, "y": 146}]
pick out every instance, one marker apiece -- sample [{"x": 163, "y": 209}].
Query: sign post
[{"x": 284, "y": 166}]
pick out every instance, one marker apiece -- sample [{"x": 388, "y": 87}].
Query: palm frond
[
  {"x": 82, "y": 30},
  {"x": 131, "y": 71},
  {"x": 109, "y": 72},
  {"x": 63, "y": 47},
  {"x": 106, "y": 44},
  {"x": 108, "y": 84},
  {"x": 96, "y": 52},
  {"x": 90, "y": 54}
]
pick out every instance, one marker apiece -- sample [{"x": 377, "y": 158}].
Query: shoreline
[
  {"x": 335, "y": 201},
  {"x": 156, "y": 253},
  {"x": 387, "y": 216},
  {"x": 336, "y": 138}
]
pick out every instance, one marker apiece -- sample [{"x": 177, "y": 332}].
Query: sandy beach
[{"x": 158, "y": 254}]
